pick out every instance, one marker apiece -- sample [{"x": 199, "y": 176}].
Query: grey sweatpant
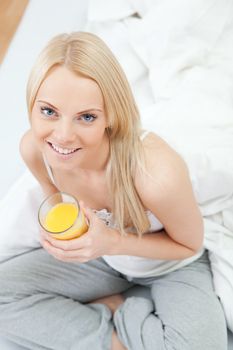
[{"x": 43, "y": 306}]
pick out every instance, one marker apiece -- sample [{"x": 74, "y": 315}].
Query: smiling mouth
[{"x": 63, "y": 151}]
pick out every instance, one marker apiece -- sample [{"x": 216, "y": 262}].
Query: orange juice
[{"x": 61, "y": 216}]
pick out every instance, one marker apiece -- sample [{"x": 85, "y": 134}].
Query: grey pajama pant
[{"x": 42, "y": 306}]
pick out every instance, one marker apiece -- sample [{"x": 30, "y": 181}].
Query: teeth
[{"x": 63, "y": 150}]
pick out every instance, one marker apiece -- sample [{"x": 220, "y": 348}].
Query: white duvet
[{"x": 178, "y": 57}]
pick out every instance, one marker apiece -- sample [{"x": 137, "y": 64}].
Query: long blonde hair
[{"x": 87, "y": 55}]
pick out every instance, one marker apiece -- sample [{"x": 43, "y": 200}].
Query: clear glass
[{"x": 60, "y": 215}]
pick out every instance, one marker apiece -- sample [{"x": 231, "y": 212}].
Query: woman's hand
[{"x": 99, "y": 240}]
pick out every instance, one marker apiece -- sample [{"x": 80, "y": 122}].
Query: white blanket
[{"x": 178, "y": 57}]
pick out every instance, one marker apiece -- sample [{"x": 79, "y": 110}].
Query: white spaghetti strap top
[
  {"x": 49, "y": 170},
  {"x": 144, "y": 134}
]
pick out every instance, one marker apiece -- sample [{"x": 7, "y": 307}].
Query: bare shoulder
[
  {"x": 165, "y": 171},
  {"x": 33, "y": 158},
  {"x": 28, "y": 149},
  {"x": 165, "y": 189}
]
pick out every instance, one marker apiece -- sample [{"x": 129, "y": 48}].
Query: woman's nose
[{"x": 64, "y": 132}]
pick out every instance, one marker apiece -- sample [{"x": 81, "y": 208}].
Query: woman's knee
[
  {"x": 195, "y": 327},
  {"x": 141, "y": 326},
  {"x": 195, "y": 331},
  {"x": 18, "y": 279}
]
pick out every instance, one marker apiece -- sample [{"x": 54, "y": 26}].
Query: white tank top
[{"x": 134, "y": 266}]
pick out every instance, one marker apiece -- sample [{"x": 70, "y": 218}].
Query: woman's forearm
[{"x": 153, "y": 246}]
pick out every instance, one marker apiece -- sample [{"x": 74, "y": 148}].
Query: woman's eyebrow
[
  {"x": 49, "y": 104},
  {"x": 84, "y": 111}
]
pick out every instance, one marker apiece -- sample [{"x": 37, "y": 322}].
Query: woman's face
[{"x": 69, "y": 122}]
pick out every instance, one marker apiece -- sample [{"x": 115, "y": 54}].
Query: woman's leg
[
  {"x": 184, "y": 313},
  {"x": 41, "y": 302}
]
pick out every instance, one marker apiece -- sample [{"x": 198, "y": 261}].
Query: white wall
[{"x": 41, "y": 21}]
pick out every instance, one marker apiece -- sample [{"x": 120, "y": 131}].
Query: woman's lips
[{"x": 63, "y": 153}]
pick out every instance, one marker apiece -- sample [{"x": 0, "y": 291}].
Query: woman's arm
[
  {"x": 34, "y": 161},
  {"x": 167, "y": 192},
  {"x": 152, "y": 246}
]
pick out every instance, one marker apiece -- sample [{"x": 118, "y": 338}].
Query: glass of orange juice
[{"x": 61, "y": 216}]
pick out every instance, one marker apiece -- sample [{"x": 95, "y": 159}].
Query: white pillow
[{"x": 18, "y": 215}]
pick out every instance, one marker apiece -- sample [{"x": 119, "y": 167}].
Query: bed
[{"x": 178, "y": 58}]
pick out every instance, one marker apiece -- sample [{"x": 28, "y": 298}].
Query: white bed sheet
[{"x": 178, "y": 58}]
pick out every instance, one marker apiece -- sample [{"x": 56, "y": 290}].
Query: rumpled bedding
[{"x": 178, "y": 58}]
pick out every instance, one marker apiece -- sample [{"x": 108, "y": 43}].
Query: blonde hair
[{"x": 87, "y": 55}]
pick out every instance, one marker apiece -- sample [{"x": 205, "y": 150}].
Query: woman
[{"x": 145, "y": 225}]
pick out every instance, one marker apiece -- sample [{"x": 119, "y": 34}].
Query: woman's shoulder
[
  {"x": 28, "y": 148},
  {"x": 157, "y": 151},
  {"x": 152, "y": 141},
  {"x": 163, "y": 167},
  {"x": 35, "y": 161}
]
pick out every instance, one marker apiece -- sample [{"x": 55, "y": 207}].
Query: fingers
[
  {"x": 81, "y": 249},
  {"x": 58, "y": 251},
  {"x": 66, "y": 245},
  {"x": 87, "y": 212}
]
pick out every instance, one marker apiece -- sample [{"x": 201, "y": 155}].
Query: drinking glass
[{"x": 61, "y": 216}]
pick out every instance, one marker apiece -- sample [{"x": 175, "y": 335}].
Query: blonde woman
[{"x": 145, "y": 225}]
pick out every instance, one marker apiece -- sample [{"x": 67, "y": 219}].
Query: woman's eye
[
  {"x": 88, "y": 117},
  {"x": 49, "y": 112}
]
